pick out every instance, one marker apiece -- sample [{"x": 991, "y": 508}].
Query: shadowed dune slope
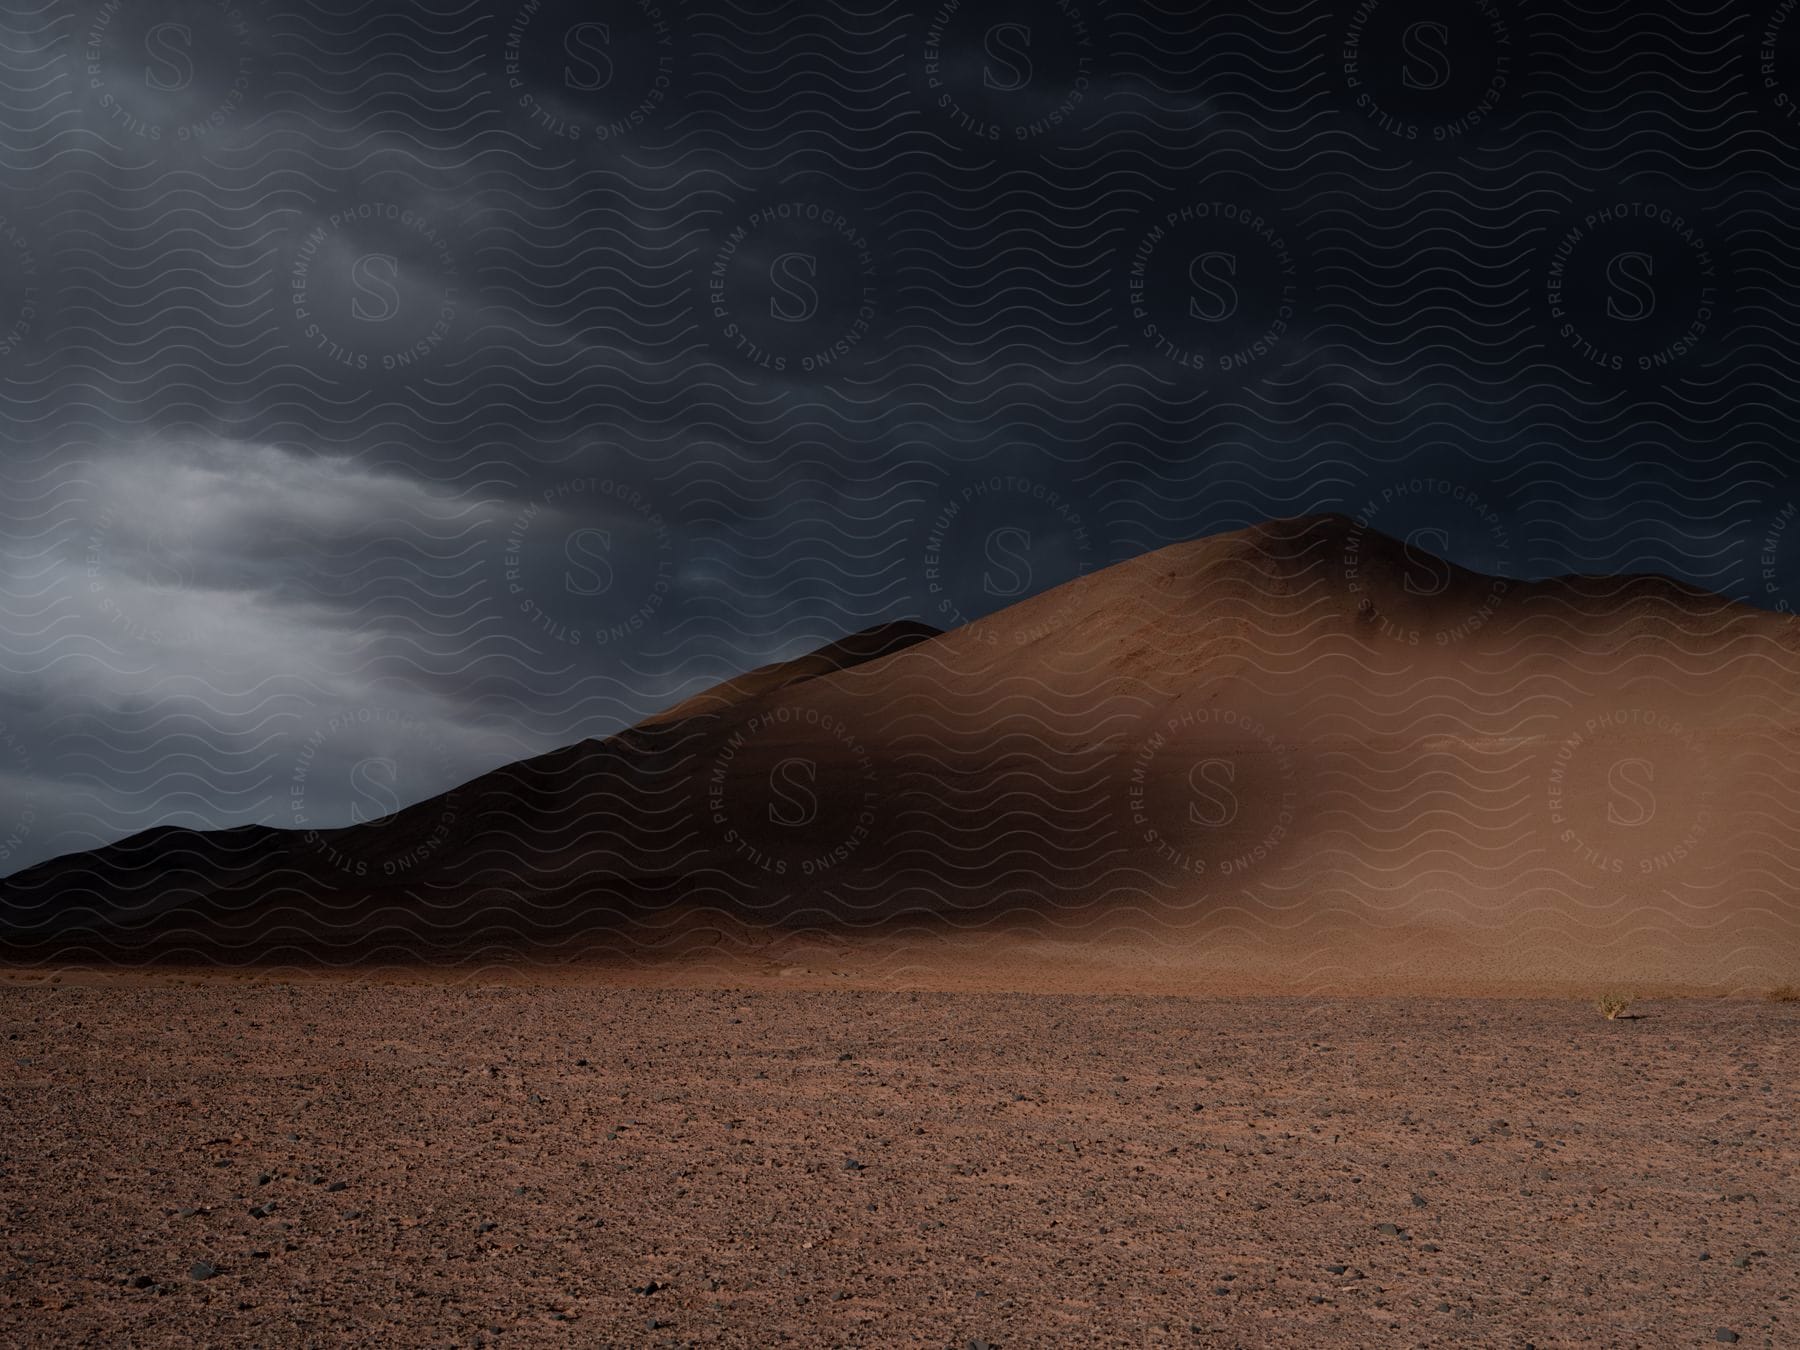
[
  {"x": 866, "y": 645},
  {"x": 1300, "y": 756}
]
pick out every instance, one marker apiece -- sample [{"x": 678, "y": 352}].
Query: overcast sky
[{"x": 389, "y": 392}]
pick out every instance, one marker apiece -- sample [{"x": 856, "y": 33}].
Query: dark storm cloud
[{"x": 455, "y": 386}]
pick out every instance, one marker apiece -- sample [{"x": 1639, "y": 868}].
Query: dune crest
[{"x": 1302, "y": 756}]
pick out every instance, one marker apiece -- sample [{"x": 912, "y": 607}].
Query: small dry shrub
[{"x": 1611, "y": 1003}]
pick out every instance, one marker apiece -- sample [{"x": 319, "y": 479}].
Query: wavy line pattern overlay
[{"x": 1182, "y": 493}]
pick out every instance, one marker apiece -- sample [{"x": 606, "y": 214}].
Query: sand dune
[{"x": 1301, "y": 756}]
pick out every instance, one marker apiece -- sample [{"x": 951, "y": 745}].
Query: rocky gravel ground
[{"x": 234, "y": 1161}]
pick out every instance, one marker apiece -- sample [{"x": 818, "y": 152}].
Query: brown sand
[
  {"x": 513, "y": 1164},
  {"x": 1294, "y": 758},
  {"x": 936, "y": 907}
]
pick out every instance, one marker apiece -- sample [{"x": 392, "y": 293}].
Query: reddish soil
[{"x": 464, "y": 1164}]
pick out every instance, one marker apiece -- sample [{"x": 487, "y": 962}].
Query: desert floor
[{"x": 247, "y": 1161}]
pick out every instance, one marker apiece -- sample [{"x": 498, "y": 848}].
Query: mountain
[
  {"x": 1302, "y": 756},
  {"x": 866, "y": 645}
]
